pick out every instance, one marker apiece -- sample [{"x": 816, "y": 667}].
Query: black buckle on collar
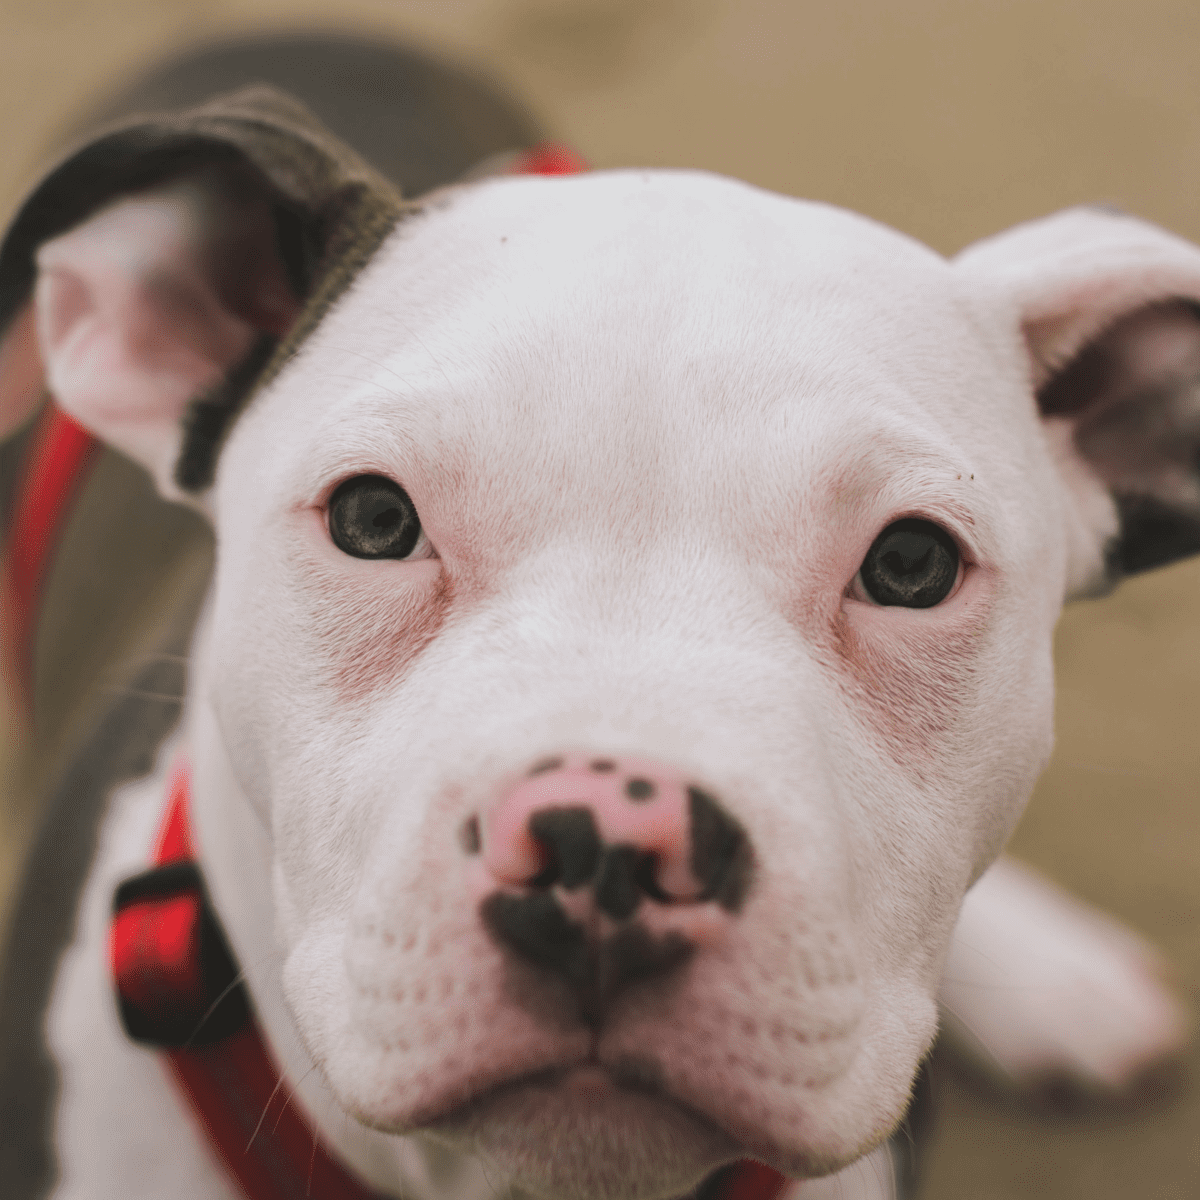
[{"x": 176, "y": 980}]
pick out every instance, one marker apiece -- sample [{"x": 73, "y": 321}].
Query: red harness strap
[
  {"x": 548, "y": 158},
  {"x": 169, "y": 961},
  {"x": 56, "y": 463}
]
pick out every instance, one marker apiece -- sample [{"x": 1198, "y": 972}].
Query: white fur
[{"x": 652, "y": 422}]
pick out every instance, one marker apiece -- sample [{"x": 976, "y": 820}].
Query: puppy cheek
[
  {"x": 243, "y": 682},
  {"x": 366, "y": 632},
  {"x": 913, "y": 687}
]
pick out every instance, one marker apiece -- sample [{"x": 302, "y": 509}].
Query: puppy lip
[
  {"x": 588, "y": 1081},
  {"x": 584, "y": 1077},
  {"x": 538, "y": 1125}
]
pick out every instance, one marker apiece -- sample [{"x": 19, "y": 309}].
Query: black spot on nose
[
  {"x": 468, "y": 835},
  {"x": 572, "y": 846},
  {"x": 640, "y": 789},
  {"x": 722, "y": 860},
  {"x": 545, "y": 764}
]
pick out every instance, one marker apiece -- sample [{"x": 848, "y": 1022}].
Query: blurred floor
[{"x": 950, "y": 121}]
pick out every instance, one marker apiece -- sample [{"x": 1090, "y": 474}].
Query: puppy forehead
[
  {"x": 686, "y": 248},
  {"x": 648, "y": 299}
]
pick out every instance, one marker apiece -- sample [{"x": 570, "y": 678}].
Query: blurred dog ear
[
  {"x": 166, "y": 268},
  {"x": 1109, "y": 310}
]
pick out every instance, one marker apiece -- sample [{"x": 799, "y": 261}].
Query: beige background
[{"x": 950, "y": 121}]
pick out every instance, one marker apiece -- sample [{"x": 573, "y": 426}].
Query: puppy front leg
[{"x": 1042, "y": 990}]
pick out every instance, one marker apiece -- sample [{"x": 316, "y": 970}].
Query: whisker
[
  {"x": 312, "y": 1163},
  {"x": 212, "y": 1008},
  {"x": 292, "y": 1090},
  {"x": 266, "y": 1109},
  {"x": 482, "y": 1158}
]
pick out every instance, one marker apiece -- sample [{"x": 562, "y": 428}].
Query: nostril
[
  {"x": 640, "y": 789},
  {"x": 571, "y": 844},
  {"x": 627, "y": 874},
  {"x": 617, "y": 890},
  {"x": 551, "y": 870},
  {"x": 645, "y": 875},
  {"x": 722, "y": 861}
]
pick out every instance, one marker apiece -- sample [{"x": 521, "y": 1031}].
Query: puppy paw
[{"x": 1048, "y": 995}]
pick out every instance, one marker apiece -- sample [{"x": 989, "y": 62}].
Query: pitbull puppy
[{"x": 630, "y": 639}]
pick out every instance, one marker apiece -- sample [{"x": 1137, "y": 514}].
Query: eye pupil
[
  {"x": 911, "y": 564},
  {"x": 371, "y": 516},
  {"x": 901, "y": 563}
]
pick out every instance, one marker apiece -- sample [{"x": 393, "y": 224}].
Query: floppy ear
[
  {"x": 164, "y": 269},
  {"x": 1109, "y": 310}
]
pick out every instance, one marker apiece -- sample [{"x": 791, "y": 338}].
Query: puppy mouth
[
  {"x": 590, "y": 1080},
  {"x": 551, "y": 1128},
  {"x": 586, "y": 1083}
]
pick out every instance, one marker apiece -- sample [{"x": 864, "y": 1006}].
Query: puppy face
[
  {"x": 651, "y": 426},
  {"x": 631, "y": 629}
]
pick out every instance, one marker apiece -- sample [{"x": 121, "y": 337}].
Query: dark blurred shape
[{"x": 422, "y": 122}]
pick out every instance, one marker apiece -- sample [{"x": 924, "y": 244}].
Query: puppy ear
[
  {"x": 165, "y": 269},
  {"x": 1109, "y": 310}
]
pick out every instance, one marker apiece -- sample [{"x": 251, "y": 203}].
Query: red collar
[{"x": 179, "y": 988}]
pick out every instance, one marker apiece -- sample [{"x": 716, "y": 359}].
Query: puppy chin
[{"x": 579, "y": 1136}]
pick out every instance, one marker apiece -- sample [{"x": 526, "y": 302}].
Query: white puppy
[{"x": 630, "y": 639}]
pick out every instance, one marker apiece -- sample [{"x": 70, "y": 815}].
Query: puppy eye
[
  {"x": 912, "y": 563},
  {"x": 372, "y": 517}
]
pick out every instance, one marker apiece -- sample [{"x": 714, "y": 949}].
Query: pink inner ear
[
  {"x": 149, "y": 304},
  {"x": 22, "y": 376},
  {"x": 1160, "y": 345}
]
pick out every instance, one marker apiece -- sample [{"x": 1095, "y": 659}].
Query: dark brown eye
[
  {"x": 912, "y": 563},
  {"x": 372, "y": 517}
]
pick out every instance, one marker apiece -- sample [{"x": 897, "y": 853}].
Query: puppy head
[{"x": 656, "y": 442}]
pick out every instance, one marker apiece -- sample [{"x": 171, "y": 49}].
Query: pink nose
[{"x": 631, "y": 828}]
